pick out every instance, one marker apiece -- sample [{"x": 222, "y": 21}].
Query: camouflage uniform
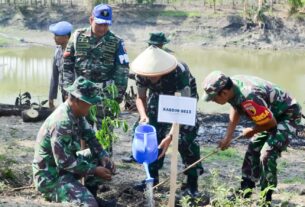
[
  {"x": 170, "y": 83},
  {"x": 58, "y": 162},
  {"x": 261, "y": 100},
  {"x": 103, "y": 61}
]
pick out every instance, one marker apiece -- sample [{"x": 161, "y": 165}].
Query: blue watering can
[{"x": 145, "y": 146}]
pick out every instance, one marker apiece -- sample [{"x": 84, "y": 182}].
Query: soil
[{"x": 17, "y": 140}]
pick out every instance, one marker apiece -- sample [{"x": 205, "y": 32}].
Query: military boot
[
  {"x": 142, "y": 185},
  {"x": 129, "y": 159},
  {"x": 93, "y": 190}
]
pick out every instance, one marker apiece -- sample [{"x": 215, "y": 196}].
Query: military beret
[{"x": 61, "y": 28}]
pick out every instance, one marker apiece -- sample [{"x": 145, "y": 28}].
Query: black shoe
[
  {"x": 142, "y": 186},
  {"x": 129, "y": 159}
]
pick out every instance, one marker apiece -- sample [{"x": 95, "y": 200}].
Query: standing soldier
[
  {"x": 62, "y": 32},
  {"x": 275, "y": 115},
  {"x": 159, "y": 72},
  {"x": 58, "y": 162},
  {"x": 98, "y": 55},
  {"x": 158, "y": 39}
]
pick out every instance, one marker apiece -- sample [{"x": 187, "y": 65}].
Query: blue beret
[
  {"x": 61, "y": 28},
  {"x": 102, "y": 14}
]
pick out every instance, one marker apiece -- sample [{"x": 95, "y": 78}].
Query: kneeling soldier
[{"x": 58, "y": 162}]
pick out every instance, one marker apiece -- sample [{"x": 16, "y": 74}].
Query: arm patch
[
  {"x": 259, "y": 114},
  {"x": 66, "y": 54}
]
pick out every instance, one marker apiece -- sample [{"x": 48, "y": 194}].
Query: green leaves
[{"x": 111, "y": 111}]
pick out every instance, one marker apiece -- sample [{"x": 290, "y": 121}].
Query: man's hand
[
  {"x": 103, "y": 173},
  {"x": 144, "y": 120},
  {"x": 248, "y": 132},
  {"x": 164, "y": 145},
  {"x": 109, "y": 164},
  {"x": 224, "y": 143},
  {"x": 51, "y": 104}
]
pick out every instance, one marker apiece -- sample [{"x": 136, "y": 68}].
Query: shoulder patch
[
  {"x": 66, "y": 54},
  {"x": 259, "y": 114}
]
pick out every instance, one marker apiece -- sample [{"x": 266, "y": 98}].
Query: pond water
[{"x": 29, "y": 69}]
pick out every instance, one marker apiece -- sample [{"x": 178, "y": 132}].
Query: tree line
[{"x": 294, "y": 5}]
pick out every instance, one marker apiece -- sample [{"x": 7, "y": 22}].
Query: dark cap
[
  {"x": 214, "y": 83},
  {"x": 158, "y": 38},
  {"x": 85, "y": 90}
]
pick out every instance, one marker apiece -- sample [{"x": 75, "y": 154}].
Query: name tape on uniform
[{"x": 177, "y": 109}]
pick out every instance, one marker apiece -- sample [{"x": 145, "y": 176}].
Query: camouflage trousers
[
  {"x": 264, "y": 149},
  {"x": 188, "y": 146},
  {"x": 68, "y": 188}
]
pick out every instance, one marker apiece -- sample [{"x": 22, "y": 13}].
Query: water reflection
[
  {"x": 25, "y": 69},
  {"x": 29, "y": 69}
]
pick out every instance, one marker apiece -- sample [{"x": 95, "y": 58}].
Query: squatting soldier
[
  {"x": 58, "y": 162},
  {"x": 98, "y": 55},
  {"x": 62, "y": 32},
  {"x": 275, "y": 115},
  {"x": 159, "y": 39},
  {"x": 159, "y": 72}
]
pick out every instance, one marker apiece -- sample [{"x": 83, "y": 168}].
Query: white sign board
[{"x": 177, "y": 109}]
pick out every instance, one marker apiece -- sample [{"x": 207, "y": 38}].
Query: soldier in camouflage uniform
[
  {"x": 159, "y": 39},
  {"x": 97, "y": 54},
  {"x": 275, "y": 114},
  {"x": 58, "y": 162},
  {"x": 166, "y": 76}
]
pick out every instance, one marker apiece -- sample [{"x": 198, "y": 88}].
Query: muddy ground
[{"x": 17, "y": 141}]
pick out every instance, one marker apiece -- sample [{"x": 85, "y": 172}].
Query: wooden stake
[{"x": 174, "y": 160}]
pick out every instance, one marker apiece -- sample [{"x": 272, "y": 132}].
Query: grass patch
[
  {"x": 7, "y": 173},
  {"x": 282, "y": 165},
  {"x": 294, "y": 180},
  {"x": 4, "y": 41},
  {"x": 299, "y": 16},
  {"x": 123, "y": 166},
  {"x": 177, "y": 13},
  {"x": 219, "y": 192},
  {"x": 230, "y": 154},
  {"x": 5, "y": 161}
]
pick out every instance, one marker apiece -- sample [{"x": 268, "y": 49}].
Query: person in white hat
[{"x": 159, "y": 72}]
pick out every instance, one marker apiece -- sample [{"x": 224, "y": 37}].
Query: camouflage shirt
[
  {"x": 170, "y": 83},
  {"x": 101, "y": 60},
  {"x": 57, "y": 142},
  {"x": 259, "y": 99}
]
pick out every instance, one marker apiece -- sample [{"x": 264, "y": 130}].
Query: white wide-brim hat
[{"x": 153, "y": 62}]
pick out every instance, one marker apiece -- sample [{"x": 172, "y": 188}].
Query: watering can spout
[{"x": 148, "y": 179}]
